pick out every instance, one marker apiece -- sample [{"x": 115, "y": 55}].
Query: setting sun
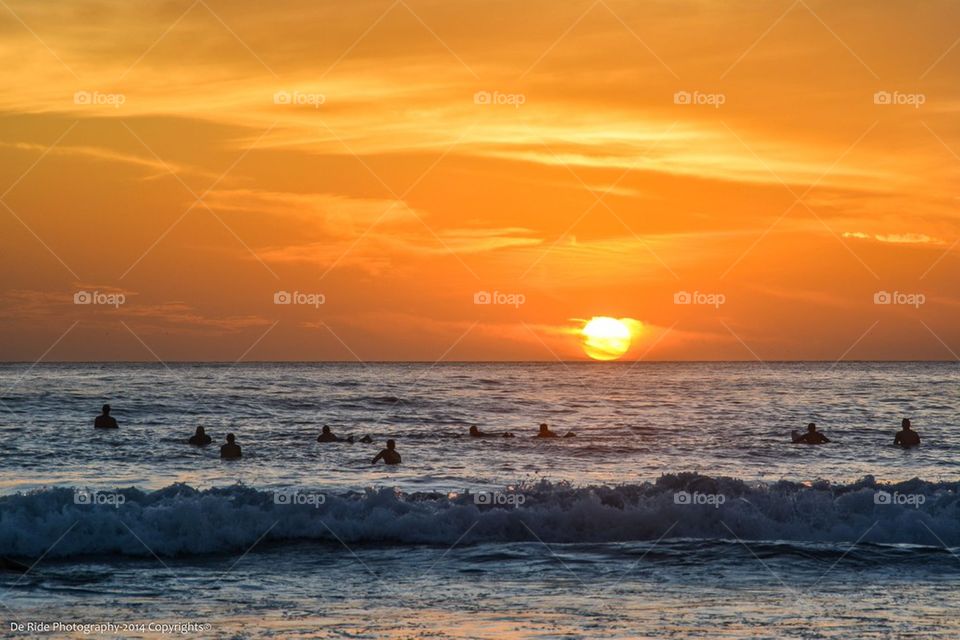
[{"x": 605, "y": 338}]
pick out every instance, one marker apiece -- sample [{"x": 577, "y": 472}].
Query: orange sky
[{"x": 392, "y": 159}]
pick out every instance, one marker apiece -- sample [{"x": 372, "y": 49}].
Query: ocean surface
[{"x": 680, "y": 509}]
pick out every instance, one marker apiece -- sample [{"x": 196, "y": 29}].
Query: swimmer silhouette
[
  {"x": 389, "y": 455},
  {"x": 199, "y": 438},
  {"x": 104, "y": 420},
  {"x": 327, "y": 436},
  {"x": 812, "y": 436},
  {"x": 545, "y": 432},
  {"x": 906, "y": 437},
  {"x": 231, "y": 450},
  {"x": 476, "y": 433}
]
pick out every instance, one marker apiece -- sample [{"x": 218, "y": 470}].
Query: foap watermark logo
[
  {"x": 98, "y": 498},
  {"x": 498, "y": 297},
  {"x": 698, "y": 297},
  {"x": 700, "y": 99},
  {"x": 696, "y": 498},
  {"x": 98, "y": 99},
  {"x": 299, "y": 98},
  {"x": 900, "y": 99},
  {"x": 498, "y": 99},
  {"x": 499, "y": 498},
  {"x": 901, "y": 499},
  {"x": 99, "y": 298},
  {"x": 298, "y": 497},
  {"x": 299, "y": 297},
  {"x": 898, "y": 297}
]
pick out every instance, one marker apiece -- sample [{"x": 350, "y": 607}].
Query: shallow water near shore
[{"x": 673, "y": 589}]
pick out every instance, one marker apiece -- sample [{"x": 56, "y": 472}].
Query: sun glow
[{"x": 606, "y": 338}]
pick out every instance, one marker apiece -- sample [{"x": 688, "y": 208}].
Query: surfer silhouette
[
  {"x": 231, "y": 450},
  {"x": 545, "y": 432},
  {"x": 328, "y": 436},
  {"x": 476, "y": 433},
  {"x": 105, "y": 420},
  {"x": 199, "y": 438},
  {"x": 906, "y": 437},
  {"x": 812, "y": 436},
  {"x": 389, "y": 455}
]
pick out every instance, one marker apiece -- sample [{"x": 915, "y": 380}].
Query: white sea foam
[{"x": 180, "y": 520}]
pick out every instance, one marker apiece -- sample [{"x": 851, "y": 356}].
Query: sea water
[{"x": 680, "y": 509}]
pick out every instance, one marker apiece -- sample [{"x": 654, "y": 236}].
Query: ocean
[{"x": 680, "y": 509}]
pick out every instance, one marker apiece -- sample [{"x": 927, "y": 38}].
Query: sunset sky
[{"x": 785, "y": 161}]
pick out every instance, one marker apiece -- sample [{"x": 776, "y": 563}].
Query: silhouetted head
[
  {"x": 391, "y": 444},
  {"x": 474, "y": 431},
  {"x": 544, "y": 428},
  {"x": 326, "y": 429},
  {"x": 106, "y": 409},
  {"x": 200, "y": 431},
  {"x": 811, "y": 427},
  {"x": 905, "y": 424},
  {"x": 231, "y": 438}
]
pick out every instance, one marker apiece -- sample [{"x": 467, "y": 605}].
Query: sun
[{"x": 605, "y": 338}]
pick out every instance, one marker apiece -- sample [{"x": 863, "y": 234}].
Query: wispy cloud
[{"x": 894, "y": 238}]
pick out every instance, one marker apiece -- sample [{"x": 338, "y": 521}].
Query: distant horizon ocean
[
  {"x": 600, "y": 363},
  {"x": 679, "y": 509}
]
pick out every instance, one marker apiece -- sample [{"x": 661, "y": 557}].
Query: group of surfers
[
  {"x": 230, "y": 450},
  {"x": 906, "y": 437}
]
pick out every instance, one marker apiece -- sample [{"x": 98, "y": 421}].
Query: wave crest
[{"x": 181, "y": 520}]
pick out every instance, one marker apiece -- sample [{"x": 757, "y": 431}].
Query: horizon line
[{"x": 439, "y": 362}]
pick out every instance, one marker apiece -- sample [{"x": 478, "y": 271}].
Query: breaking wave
[{"x": 180, "y": 520}]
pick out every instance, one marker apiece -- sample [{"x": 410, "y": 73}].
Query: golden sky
[{"x": 182, "y": 164}]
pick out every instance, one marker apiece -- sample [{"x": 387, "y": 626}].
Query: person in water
[
  {"x": 327, "y": 436},
  {"x": 200, "y": 438},
  {"x": 906, "y": 437},
  {"x": 231, "y": 450},
  {"x": 812, "y": 436},
  {"x": 105, "y": 420},
  {"x": 476, "y": 433},
  {"x": 545, "y": 432},
  {"x": 389, "y": 455}
]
